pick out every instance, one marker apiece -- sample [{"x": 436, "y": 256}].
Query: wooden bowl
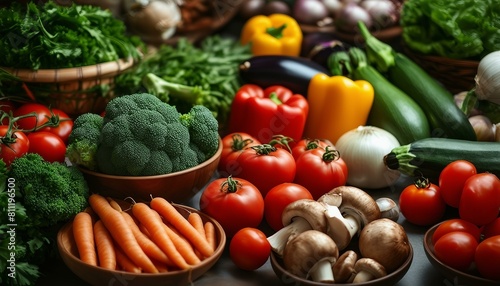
[
  {"x": 176, "y": 187},
  {"x": 95, "y": 275},
  {"x": 456, "y": 276},
  {"x": 291, "y": 279}
]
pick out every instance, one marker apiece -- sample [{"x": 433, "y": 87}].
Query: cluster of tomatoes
[
  {"x": 473, "y": 239},
  {"x": 257, "y": 181},
  {"x": 33, "y": 128}
]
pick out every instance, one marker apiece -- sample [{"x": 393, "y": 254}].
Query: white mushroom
[
  {"x": 388, "y": 208},
  {"x": 311, "y": 254},
  {"x": 343, "y": 269},
  {"x": 368, "y": 269},
  {"x": 385, "y": 241},
  {"x": 357, "y": 209},
  {"x": 297, "y": 217}
]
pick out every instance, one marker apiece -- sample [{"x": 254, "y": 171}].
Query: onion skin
[
  {"x": 309, "y": 12},
  {"x": 483, "y": 127},
  {"x": 348, "y": 17}
]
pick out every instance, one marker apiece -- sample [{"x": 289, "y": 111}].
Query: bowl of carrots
[{"x": 142, "y": 243}]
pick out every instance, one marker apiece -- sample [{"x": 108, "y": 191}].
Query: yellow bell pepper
[
  {"x": 337, "y": 104},
  {"x": 276, "y": 34}
]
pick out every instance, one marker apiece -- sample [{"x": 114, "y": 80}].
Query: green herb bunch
[{"x": 49, "y": 36}]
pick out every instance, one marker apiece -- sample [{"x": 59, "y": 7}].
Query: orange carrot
[
  {"x": 183, "y": 246},
  {"x": 104, "y": 244},
  {"x": 162, "y": 267},
  {"x": 124, "y": 262},
  {"x": 168, "y": 211},
  {"x": 147, "y": 245},
  {"x": 157, "y": 233},
  {"x": 114, "y": 204},
  {"x": 196, "y": 221},
  {"x": 210, "y": 234},
  {"x": 121, "y": 232},
  {"x": 83, "y": 233}
]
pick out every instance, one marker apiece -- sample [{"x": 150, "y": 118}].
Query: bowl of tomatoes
[
  {"x": 101, "y": 272},
  {"x": 462, "y": 254}
]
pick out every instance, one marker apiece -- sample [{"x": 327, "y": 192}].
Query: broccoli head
[
  {"x": 82, "y": 141},
  {"x": 50, "y": 192},
  {"x": 204, "y": 131}
]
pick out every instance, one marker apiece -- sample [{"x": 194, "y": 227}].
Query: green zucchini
[
  {"x": 392, "y": 109},
  {"x": 445, "y": 118},
  {"x": 429, "y": 156}
]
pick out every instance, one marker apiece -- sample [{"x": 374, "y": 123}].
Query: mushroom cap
[
  {"x": 388, "y": 208},
  {"x": 371, "y": 266},
  {"x": 385, "y": 241},
  {"x": 331, "y": 199},
  {"x": 310, "y": 210},
  {"x": 306, "y": 249},
  {"x": 343, "y": 269},
  {"x": 358, "y": 203}
]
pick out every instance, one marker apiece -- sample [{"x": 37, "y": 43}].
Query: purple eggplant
[{"x": 294, "y": 73}]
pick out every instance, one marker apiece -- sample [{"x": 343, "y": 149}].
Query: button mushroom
[
  {"x": 388, "y": 208},
  {"x": 297, "y": 217},
  {"x": 385, "y": 241},
  {"x": 311, "y": 254},
  {"x": 357, "y": 209},
  {"x": 343, "y": 269},
  {"x": 368, "y": 269}
]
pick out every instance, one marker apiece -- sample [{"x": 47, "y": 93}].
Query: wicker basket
[
  {"x": 455, "y": 75},
  {"x": 74, "y": 90}
]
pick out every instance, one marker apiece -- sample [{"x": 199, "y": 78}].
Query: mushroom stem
[
  {"x": 322, "y": 271},
  {"x": 363, "y": 276},
  {"x": 280, "y": 238},
  {"x": 341, "y": 229}
]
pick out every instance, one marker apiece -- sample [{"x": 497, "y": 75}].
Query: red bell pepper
[{"x": 264, "y": 113}]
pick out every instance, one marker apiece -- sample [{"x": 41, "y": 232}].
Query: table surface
[{"x": 224, "y": 272}]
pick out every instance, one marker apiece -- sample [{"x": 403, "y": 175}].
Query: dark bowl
[{"x": 458, "y": 277}]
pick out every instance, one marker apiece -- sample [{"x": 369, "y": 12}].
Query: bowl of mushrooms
[{"x": 344, "y": 237}]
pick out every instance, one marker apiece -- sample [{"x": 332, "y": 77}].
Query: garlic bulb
[
  {"x": 363, "y": 150},
  {"x": 488, "y": 78},
  {"x": 483, "y": 127}
]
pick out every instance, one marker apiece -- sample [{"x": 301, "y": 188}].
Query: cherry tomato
[
  {"x": 41, "y": 115},
  {"x": 308, "y": 144},
  {"x": 278, "y": 198},
  {"x": 487, "y": 257},
  {"x": 456, "y": 249},
  {"x": 456, "y": 224},
  {"x": 320, "y": 170},
  {"x": 48, "y": 145},
  {"x": 7, "y": 107},
  {"x": 249, "y": 248},
  {"x": 232, "y": 145},
  {"x": 480, "y": 200},
  {"x": 491, "y": 229},
  {"x": 64, "y": 124},
  {"x": 13, "y": 146},
  {"x": 421, "y": 203},
  {"x": 452, "y": 180},
  {"x": 266, "y": 166},
  {"x": 234, "y": 202}
]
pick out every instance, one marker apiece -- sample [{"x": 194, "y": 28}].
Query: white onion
[
  {"x": 488, "y": 78},
  {"x": 363, "y": 150}
]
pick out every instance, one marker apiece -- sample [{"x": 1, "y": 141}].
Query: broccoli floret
[
  {"x": 203, "y": 130},
  {"x": 141, "y": 135},
  {"x": 51, "y": 192},
  {"x": 82, "y": 141}
]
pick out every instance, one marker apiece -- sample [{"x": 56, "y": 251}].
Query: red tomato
[
  {"x": 491, "y": 229},
  {"x": 41, "y": 115},
  {"x": 14, "y": 146},
  {"x": 234, "y": 202},
  {"x": 266, "y": 166},
  {"x": 63, "y": 124},
  {"x": 487, "y": 258},
  {"x": 456, "y": 224},
  {"x": 452, "y": 180},
  {"x": 7, "y": 107},
  {"x": 320, "y": 170},
  {"x": 278, "y": 198},
  {"x": 249, "y": 248},
  {"x": 421, "y": 203},
  {"x": 456, "y": 249},
  {"x": 232, "y": 145},
  {"x": 480, "y": 200},
  {"x": 48, "y": 145},
  {"x": 308, "y": 144}
]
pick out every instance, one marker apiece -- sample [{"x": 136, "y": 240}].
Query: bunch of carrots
[{"x": 152, "y": 238}]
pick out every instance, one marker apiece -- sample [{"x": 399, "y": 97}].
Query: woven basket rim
[
  {"x": 99, "y": 70},
  {"x": 442, "y": 60}
]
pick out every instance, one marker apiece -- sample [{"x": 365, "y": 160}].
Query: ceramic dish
[
  {"x": 457, "y": 277},
  {"x": 95, "y": 275}
]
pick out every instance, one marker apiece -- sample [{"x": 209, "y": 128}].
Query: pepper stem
[
  {"x": 274, "y": 98},
  {"x": 276, "y": 32}
]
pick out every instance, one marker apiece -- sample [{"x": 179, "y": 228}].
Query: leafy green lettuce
[{"x": 459, "y": 29}]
